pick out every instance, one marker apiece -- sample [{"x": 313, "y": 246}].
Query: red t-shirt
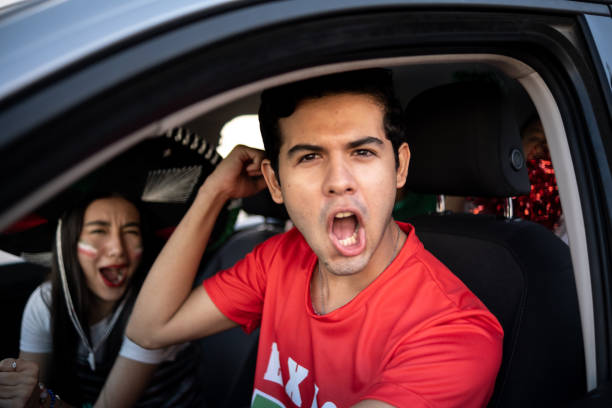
[{"x": 415, "y": 337}]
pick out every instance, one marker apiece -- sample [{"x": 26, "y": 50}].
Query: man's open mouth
[
  {"x": 347, "y": 234},
  {"x": 114, "y": 275},
  {"x": 345, "y": 227}
]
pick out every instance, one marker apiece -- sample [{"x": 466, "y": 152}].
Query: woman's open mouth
[
  {"x": 114, "y": 275},
  {"x": 346, "y": 233}
]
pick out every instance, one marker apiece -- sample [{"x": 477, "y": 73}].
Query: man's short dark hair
[{"x": 281, "y": 102}]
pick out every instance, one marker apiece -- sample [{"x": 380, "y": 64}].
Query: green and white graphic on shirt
[{"x": 263, "y": 400}]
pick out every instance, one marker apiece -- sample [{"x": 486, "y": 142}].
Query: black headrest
[
  {"x": 464, "y": 140},
  {"x": 262, "y": 204}
]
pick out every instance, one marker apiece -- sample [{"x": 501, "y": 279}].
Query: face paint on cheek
[{"x": 87, "y": 249}]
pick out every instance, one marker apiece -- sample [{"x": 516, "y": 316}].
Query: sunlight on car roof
[
  {"x": 6, "y": 3},
  {"x": 243, "y": 129}
]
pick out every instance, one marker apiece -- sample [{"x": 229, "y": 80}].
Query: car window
[{"x": 96, "y": 114}]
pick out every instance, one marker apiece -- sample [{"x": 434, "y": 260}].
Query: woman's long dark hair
[{"x": 73, "y": 384}]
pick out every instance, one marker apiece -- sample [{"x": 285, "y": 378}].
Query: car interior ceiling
[{"x": 228, "y": 358}]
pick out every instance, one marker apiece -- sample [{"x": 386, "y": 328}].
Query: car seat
[
  {"x": 465, "y": 141},
  {"x": 17, "y": 281}
]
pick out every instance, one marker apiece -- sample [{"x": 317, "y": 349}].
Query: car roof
[
  {"x": 52, "y": 35},
  {"x": 55, "y": 34}
]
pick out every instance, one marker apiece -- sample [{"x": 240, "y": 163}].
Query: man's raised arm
[{"x": 166, "y": 310}]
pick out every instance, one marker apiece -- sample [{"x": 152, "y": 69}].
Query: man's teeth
[{"x": 352, "y": 240}]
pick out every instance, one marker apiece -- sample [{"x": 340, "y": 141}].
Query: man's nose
[{"x": 338, "y": 178}]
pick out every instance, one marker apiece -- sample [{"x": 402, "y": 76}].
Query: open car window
[{"x": 119, "y": 108}]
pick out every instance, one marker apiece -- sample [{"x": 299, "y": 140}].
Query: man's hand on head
[{"x": 239, "y": 174}]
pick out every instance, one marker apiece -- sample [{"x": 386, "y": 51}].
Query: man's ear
[
  {"x": 272, "y": 181},
  {"x": 403, "y": 155}
]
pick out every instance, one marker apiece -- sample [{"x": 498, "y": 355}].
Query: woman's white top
[{"x": 36, "y": 333}]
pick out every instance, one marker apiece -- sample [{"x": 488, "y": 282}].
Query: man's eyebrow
[
  {"x": 303, "y": 147},
  {"x": 364, "y": 141},
  {"x": 131, "y": 224},
  {"x": 314, "y": 148}
]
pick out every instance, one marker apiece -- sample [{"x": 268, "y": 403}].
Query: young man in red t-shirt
[{"x": 353, "y": 310}]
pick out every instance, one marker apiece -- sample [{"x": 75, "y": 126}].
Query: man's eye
[
  {"x": 97, "y": 231},
  {"x": 132, "y": 232},
  {"x": 308, "y": 157},
  {"x": 364, "y": 152}
]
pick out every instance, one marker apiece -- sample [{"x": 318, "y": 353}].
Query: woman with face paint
[{"x": 72, "y": 337}]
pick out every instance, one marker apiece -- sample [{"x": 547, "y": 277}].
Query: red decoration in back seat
[{"x": 541, "y": 205}]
